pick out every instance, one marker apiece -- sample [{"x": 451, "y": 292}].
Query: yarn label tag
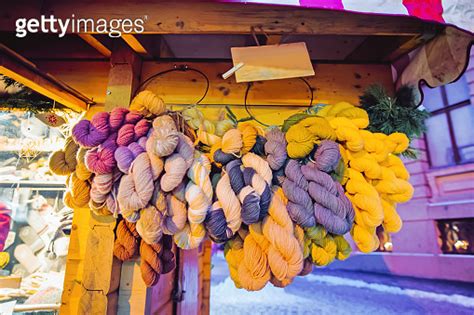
[{"x": 271, "y": 62}]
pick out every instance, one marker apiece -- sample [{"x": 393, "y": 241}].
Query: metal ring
[
  {"x": 182, "y": 68},
  {"x": 247, "y": 109}
]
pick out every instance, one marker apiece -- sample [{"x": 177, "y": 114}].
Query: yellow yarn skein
[
  {"x": 347, "y": 133},
  {"x": 232, "y": 142},
  {"x": 147, "y": 102},
  {"x": 208, "y": 132},
  {"x": 395, "y": 164},
  {"x": 365, "y": 199},
  {"x": 207, "y": 138},
  {"x": 397, "y": 142},
  {"x": 393, "y": 188},
  {"x": 368, "y": 211},
  {"x": 193, "y": 116},
  {"x": 63, "y": 162},
  {"x": 254, "y": 270},
  {"x": 82, "y": 171},
  {"x": 285, "y": 255},
  {"x": 302, "y": 136},
  {"x": 392, "y": 223},
  {"x": 357, "y": 115},
  {"x": 343, "y": 247},
  {"x": 249, "y": 136},
  {"x": 234, "y": 254},
  {"x": 374, "y": 143},
  {"x": 77, "y": 195},
  {"x": 364, "y": 162},
  {"x": 324, "y": 247}
]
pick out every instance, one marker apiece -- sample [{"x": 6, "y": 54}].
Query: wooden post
[
  {"x": 205, "y": 277},
  {"x": 93, "y": 274},
  {"x": 189, "y": 282},
  {"x": 124, "y": 77}
]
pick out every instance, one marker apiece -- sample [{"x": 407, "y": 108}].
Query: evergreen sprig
[
  {"x": 25, "y": 99},
  {"x": 394, "y": 114}
]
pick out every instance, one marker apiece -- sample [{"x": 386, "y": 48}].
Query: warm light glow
[
  {"x": 388, "y": 246},
  {"x": 461, "y": 244}
]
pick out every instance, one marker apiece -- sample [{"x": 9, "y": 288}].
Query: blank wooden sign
[{"x": 272, "y": 62}]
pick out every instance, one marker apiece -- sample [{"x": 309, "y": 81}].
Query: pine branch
[{"x": 399, "y": 114}]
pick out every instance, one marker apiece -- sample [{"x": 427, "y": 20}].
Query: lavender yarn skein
[
  {"x": 275, "y": 148},
  {"x": 295, "y": 187},
  {"x": 332, "y": 208},
  {"x": 327, "y": 156}
]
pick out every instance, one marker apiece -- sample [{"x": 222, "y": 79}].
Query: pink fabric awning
[{"x": 459, "y": 13}]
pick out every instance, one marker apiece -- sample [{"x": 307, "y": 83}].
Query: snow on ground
[
  {"x": 446, "y": 298},
  {"x": 338, "y": 292}
]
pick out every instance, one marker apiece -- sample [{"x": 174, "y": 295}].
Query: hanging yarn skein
[{"x": 281, "y": 202}]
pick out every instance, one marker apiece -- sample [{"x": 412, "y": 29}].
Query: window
[
  {"x": 450, "y": 136},
  {"x": 456, "y": 236}
]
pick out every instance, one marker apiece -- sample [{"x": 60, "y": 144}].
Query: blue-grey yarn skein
[
  {"x": 327, "y": 156},
  {"x": 216, "y": 225},
  {"x": 248, "y": 197},
  {"x": 332, "y": 208},
  {"x": 265, "y": 196},
  {"x": 295, "y": 187}
]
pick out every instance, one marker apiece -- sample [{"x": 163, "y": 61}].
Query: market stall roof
[
  {"x": 458, "y": 13},
  {"x": 413, "y": 36}
]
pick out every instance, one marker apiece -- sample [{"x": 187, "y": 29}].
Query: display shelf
[
  {"x": 18, "y": 147},
  {"x": 33, "y": 184}
]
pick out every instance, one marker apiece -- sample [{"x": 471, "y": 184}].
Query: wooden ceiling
[
  {"x": 191, "y": 32},
  {"x": 203, "y": 30}
]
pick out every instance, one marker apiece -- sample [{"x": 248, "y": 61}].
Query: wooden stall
[{"x": 91, "y": 72}]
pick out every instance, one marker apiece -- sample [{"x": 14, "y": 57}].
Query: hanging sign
[{"x": 271, "y": 62}]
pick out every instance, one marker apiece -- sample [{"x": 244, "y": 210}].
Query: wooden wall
[
  {"x": 271, "y": 101},
  {"x": 332, "y": 83}
]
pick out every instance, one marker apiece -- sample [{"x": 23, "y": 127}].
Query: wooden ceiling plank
[
  {"x": 25, "y": 72},
  {"x": 217, "y": 18},
  {"x": 408, "y": 45},
  {"x": 96, "y": 44},
  {"x": 135, "y": 44}
]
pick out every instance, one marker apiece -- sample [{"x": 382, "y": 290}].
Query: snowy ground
[{"x": 341, "y": 292}]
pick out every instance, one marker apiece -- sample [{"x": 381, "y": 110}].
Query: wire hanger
[
  {"x": 176, "y": 68},
  {"x": 252, "y": 116}
]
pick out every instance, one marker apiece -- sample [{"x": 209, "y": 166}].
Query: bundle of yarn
[{"x": 281, "y": 201}]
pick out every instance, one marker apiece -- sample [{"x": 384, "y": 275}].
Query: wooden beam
[
  {"x": 180, "y": 17},
  {"x": 95, "y": 43},
  {"x": 24, "y": 71},
  {"x": 164, "y": 49},
  {"x": 388, "y": 48},
  {"x": 135, "y": 44},
  {"x": 376, "y": 48},
  {"x": 123, "y": 77},
  {"x": 408, "y": 45}
]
